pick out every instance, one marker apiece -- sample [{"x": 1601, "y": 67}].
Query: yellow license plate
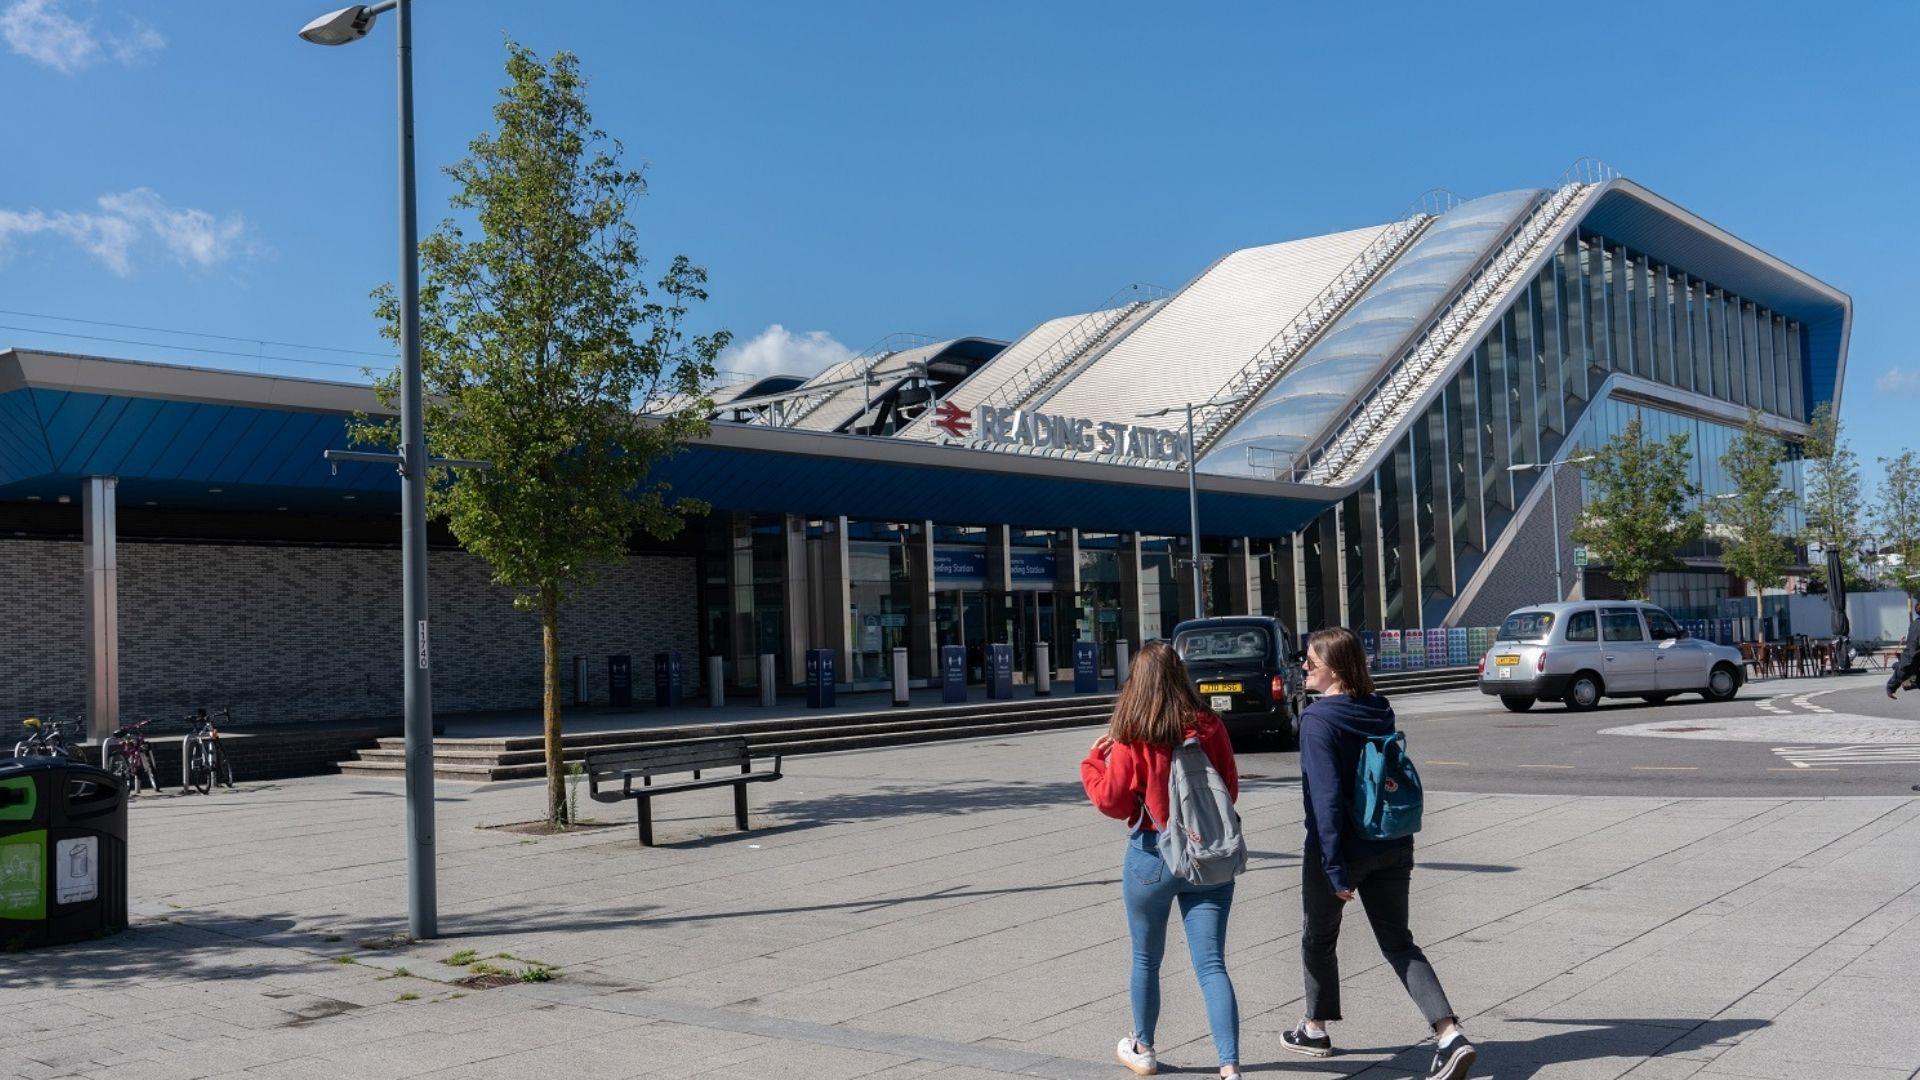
[
  {"x": 1220, "y": 687},
  {"x": 1506, "y": 661}
]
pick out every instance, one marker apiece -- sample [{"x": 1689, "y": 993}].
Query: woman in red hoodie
[{"x": 1125, "y": 771}]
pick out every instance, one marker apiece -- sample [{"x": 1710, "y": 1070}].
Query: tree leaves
[
  {"x": 1641, "y": 507},
  {"x": 544, "y": 352},
  {"x": 1749, "y": 515}
]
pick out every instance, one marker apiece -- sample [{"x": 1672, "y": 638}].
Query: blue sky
[{"x": 846, "y": 171}]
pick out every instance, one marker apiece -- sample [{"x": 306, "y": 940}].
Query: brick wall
[{"x": 290, "y": 634}]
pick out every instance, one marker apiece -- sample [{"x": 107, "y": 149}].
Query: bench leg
[
  {"x": 740, "y": 806},
  {"x": 646, "y": 821}
]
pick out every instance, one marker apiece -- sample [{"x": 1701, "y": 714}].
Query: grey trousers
[{"x": 1382, "y": 883}]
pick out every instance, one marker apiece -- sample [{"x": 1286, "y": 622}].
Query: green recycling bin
[{"x": 63, "y": 853}]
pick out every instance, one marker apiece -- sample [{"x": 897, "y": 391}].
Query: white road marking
[
  {"x": 1801, "y": 700},
  {"x": 1789, "y": 729},
  {"x": 1767, "y": 705},
  {"x": 1806, "y": 757}
]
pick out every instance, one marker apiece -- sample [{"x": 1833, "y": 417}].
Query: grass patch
[
  {"x": 408, "y": 996},
  {"x": 343, "y": 960},
  {"x": 536, "y": 974},
  {"x": 402, "y": 973},
  {"x": 461, "y": 958}
]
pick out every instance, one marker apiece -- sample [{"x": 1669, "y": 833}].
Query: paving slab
[{"x": 953, "y": 911}]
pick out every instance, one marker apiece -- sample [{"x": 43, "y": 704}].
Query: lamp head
[{"x": 342, "y": 27}]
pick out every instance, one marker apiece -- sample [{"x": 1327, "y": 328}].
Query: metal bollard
[
  {"x": 716, "y": 682},
  {"x": 1119, "y": 664},
  {"x": 900, "y": 695},
  {"x": 769, "y": 693},
  {"x": 1042, "y": 670}
]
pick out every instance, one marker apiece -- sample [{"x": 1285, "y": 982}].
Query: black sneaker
[
  {"x": 1451, "y": 1060},
  {"x": 1300, "y": 1042}
]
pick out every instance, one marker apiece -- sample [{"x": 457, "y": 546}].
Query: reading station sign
[{"x": 990, "y": 426}]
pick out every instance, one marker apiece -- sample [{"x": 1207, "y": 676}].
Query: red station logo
[{"x": 953, "y": 420}]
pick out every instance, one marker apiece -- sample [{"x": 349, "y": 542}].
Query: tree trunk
[
  {"x": 550, "y": 703},
  {"x": 1759, "y": 612}
]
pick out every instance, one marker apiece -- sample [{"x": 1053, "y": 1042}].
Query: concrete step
[{"x": 815, "y": 741}]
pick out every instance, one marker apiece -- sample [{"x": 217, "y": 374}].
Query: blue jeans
[{"x": 1150, "y": 889}]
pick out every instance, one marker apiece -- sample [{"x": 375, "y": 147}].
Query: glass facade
[{"x": 1597, "y": 309}]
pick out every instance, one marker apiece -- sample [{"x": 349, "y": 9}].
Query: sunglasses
[{"x": 1307, "y": 663}]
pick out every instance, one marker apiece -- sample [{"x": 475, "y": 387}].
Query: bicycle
[
  {"x": 48, "y": 739},
  {"x": 203, "y": 763},
  {"x": 129, "y": 757}
]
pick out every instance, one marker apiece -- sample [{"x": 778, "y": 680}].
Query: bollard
[
  {"x": 1042, "y": 670},
  {"x": 769, "y": 693},
  {"x": 900, "y": 695},
  {"x": 716, "y": 682},
  {"x": 1119, "y": 664}
]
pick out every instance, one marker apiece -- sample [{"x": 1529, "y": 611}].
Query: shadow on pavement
[{"x": 1522, "y": 1059}]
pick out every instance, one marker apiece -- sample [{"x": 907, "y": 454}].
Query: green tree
[
  {"x": 1833, "y": 494},
  {"x": 1749, "y": 516},
  {"x": 543, "y": 352},
  {"x": 1897, "y": 519},
  {"x": 1641, "y": 508}
]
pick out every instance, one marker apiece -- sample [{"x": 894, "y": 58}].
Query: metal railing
[
  {"x": 1274, "y": 359},
  {"x": 1079, "y": 339},
  {"x": 1364, "y": 425},
  {"x": 792, "y": 406}
]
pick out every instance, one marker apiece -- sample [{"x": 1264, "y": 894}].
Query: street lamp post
[
  {"x": 1553, "y": 497},
  {"x": 341, "y": 27},
  {"x": 1193, "y": 488}
]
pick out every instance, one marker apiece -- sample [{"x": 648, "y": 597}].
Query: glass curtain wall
[{"x": 1598, "y": 309}]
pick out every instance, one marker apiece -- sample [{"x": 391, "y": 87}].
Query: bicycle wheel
[
  {"x": 197, "y": 769},
  {"x": 121, "y": 766},
  {"x": 146, "y": 766},
  {"x": 222, "y": 768}
]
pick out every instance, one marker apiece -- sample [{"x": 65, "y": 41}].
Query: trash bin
[{"x": 63, "y": 853}]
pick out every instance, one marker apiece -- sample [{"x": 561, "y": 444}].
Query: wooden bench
[{"x": 617, "y": 770}]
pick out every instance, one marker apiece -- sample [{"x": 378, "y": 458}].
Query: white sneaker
[{"x": 1136, "y": 1057}]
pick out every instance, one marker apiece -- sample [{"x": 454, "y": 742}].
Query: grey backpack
[{"x": 1200, "y": 840}]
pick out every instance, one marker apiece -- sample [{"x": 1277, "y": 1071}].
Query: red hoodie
[{"x": 1116, "y": 782}]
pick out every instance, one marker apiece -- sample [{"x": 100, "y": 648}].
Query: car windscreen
[
  {"x": 1527, "y": 626},
  {"x": 1224, "y": 643}
]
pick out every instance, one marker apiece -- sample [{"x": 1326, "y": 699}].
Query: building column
[
  {"x": 800, "y": 627},
  {"x": 836, "y": 600},
  {"x": 1243, "y": 579},
  {"x": 1130, "y": 599},
  {"x": 1290, "y": 574},
  {"x": 926, "y": 635},
  {"x": 100, "y": 537},
  {"x": 1066, "y": 580},
  {"x": 1373, "y": 584},
  {"x": 1184, "y": 570},
  {"x": 1333, "y": 574}
]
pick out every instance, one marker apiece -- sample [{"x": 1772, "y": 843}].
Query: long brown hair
[
  {"x": 1340, "y": 650},
  {"x": 1158, "y": 703}
]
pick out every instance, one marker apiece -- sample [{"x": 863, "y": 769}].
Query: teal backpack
[{"x": 1386, "y": 799}]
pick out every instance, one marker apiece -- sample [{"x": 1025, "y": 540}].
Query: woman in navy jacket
[{"x": 1341, "y": 863}]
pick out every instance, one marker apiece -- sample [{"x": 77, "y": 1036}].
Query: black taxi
[{"x": 1246, "y": 669}]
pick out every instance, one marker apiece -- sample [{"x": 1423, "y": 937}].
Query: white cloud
[
  {"x": 195, "y": 238},
  {"x": 779, "y": 351},
  {"x": 43, "y": 31},
  {"x": 1898, "y": 381}
]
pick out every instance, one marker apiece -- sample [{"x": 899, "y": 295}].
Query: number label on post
[{"x": 423, "y": 644}]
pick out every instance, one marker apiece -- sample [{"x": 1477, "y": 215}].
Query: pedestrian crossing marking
[{"x": 1806, "y": 757}]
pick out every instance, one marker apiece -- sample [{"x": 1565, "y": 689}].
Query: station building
[{"x": 1374, "y": 414}]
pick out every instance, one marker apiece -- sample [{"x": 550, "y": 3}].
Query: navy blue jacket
[{"x": 1333, "y": 730}]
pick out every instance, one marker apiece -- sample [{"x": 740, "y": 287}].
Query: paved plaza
[{"x": 953, "y": 911}]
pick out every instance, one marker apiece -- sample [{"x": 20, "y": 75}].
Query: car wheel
[
  {"x": 1584, "y": 692},
  {"x": 1722, "y": 684},
  {"x": 1516, "y": 704},
  {"x": 1655, "y": 699}
]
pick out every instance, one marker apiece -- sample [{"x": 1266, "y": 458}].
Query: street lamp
[
  {"x": 340, "y": 27},
  {"x": 1553, "y": 496},
  {"x": 1193, "y": 486}
]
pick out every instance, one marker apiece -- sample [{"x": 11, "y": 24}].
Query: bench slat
[{"x": 676, "y": 757}]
